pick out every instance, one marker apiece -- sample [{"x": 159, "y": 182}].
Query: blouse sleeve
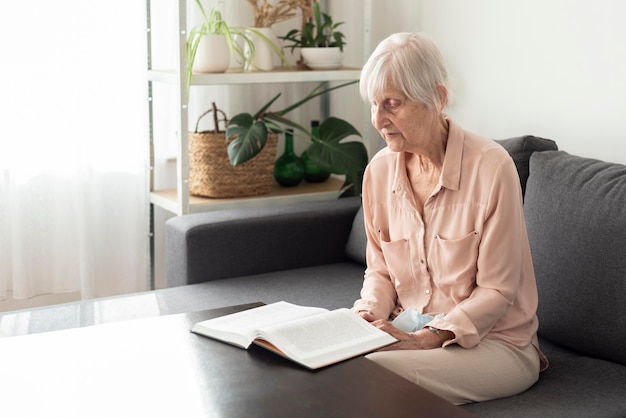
[{"x": 378, "y": 294}]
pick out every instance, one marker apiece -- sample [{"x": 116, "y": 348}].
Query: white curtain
[{"x": 73, "y": 148}]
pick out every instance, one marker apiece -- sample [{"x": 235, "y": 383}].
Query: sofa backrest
[
  {"x": 575, "y": 211},
  {"x": 357, "y": 241},
  {"x": 520, "y": 148}
]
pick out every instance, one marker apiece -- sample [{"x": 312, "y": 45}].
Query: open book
[{"x": 312, "y": 337}]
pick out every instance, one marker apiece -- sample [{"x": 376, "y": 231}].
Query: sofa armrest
[{"x": 239, "y": 242}]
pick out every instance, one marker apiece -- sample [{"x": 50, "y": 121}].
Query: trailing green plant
[
  {"x": 214, "y": 24},
  {"x": 248, "y": 135},
  {"x": 320, "y": 33}
]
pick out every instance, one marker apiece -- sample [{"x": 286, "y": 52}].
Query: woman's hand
[
  {"x": 420, "y": 340},
  {"x": 367, "y": 316}
]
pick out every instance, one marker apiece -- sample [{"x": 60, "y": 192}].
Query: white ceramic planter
[
  {"x": 322, "y": 58},
  {"x": 261, "y": 58},
  {"x": 212, "y": 55}
]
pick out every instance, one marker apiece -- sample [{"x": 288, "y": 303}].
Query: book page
[
  {"x": 241, "y": 328},
  {"x": 325, "y": 338}
]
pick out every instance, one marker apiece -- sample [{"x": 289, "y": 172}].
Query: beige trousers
[{"x": 491, "y": 370}]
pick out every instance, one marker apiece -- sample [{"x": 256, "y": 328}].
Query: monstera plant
[{"x": 248, "y": 134}]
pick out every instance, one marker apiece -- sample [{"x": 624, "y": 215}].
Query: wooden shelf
[
  {"x": 328, "y": 190},
  {"x": 278, "y": 75}
]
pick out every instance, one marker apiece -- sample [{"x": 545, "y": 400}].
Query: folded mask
[{"x": 410, "y": 320}]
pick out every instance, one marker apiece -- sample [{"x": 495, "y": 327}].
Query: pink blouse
[{"x": 468, "y": 257}]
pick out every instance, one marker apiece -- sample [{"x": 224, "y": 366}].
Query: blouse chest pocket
[
  {"x": 397, "y": 259},
  {"x": 453, "y": 260}
]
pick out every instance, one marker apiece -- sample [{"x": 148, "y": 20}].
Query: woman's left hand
[{"x": 419, "y": 340}]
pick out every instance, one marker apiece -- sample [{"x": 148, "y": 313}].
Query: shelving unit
[{"x": 178, "y": 201}]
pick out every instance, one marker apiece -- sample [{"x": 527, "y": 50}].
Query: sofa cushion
[
  {"x": 573, "y": 386},
  {"x": 521, "y": 148},
  {"x": 357, "y": 241},
  {"x": 575, "y": 211},
  {"x": 219, "y": 244}
]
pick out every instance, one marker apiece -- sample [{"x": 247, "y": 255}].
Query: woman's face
[{"x": 405, "y": 125}]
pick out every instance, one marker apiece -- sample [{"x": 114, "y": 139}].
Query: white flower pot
[
  {"x": 322, "y": 58},
  {"x": 212, "y": 55},
  {"x": 261, "y": 58}
]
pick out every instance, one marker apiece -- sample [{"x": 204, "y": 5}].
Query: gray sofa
[{"x": 313, "y": 254}]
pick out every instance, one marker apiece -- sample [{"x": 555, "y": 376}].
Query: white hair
[{"x": 410, "y": 62}]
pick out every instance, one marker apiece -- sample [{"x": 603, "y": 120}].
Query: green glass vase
[
  {"x": 288, "y": 168},
  {"x": 313, "y": 172}
]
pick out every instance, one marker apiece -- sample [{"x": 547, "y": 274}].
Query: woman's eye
[
  {"x": 392, "y": 103},
  {"x": 387, "y": 105}
]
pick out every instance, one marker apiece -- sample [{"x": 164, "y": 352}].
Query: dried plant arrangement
[
  {"x": 307, "y": 11},
  {"x": 267, "y": 14}
]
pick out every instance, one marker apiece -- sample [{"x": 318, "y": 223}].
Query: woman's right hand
[{"x": 367, "y": 316}]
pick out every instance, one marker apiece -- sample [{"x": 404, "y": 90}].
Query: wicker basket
[{"x": 212, "y": 175}]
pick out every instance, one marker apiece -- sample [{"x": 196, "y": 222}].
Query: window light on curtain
[{"x": 73, "y": 148}]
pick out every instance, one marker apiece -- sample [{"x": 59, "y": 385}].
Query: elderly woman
[{"x": 447, "y": 246}]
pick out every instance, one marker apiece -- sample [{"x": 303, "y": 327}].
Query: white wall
[
  {"x": 551, "y": 68},
  {"x": 362, "y": 36}
]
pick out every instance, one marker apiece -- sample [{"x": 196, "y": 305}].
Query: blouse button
[{"x": 427, "y": 291}]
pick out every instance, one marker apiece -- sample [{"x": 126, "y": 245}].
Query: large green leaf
[
  {"x": 249, "y": 138},
  {"x": 348, "y": 158},
  {"x": 335, "y": 129},
  {"x": 340, "y": 157}
]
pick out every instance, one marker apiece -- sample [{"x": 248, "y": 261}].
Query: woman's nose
[{"x": 378, "y": 118}]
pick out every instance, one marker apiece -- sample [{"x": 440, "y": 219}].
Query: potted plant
[
  {"x": 321, "y": 45},
  {"x": 262, "y": 35},
  {"x": 214, "y": 39},
  {"x": 218, "y": 40},
  {"x": 248, "y": 135}
]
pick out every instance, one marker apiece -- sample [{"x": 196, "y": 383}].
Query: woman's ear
[{"x": 442, "y": 96}]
